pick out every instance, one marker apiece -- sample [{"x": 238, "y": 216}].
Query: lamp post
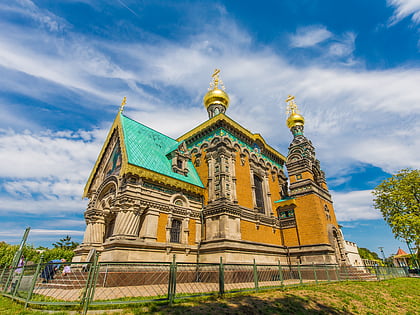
[{"x": 383, "y": 254}]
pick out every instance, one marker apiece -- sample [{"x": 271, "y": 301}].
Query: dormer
[{"x": 179, "y": 157}]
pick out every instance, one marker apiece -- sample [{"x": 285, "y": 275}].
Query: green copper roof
[{"x": 148, "y": 148}]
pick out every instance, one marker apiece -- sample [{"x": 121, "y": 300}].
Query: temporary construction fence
[{"x": 105, "y": 283}]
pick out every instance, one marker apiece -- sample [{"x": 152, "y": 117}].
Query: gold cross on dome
[
  {"x": 215, "y": 76},
  {"x": 291, "y": 105},
  {"x": 124, "y": 101}
]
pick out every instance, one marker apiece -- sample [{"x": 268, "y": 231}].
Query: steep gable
[{"x": 149, "y": 149}]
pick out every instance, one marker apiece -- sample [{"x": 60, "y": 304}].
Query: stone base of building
[{"x": 231, "y": 251}]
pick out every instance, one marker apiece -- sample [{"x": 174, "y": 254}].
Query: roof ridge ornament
[
  {"x": 292, "y": 107},
  {"x": 123, "y": 103},
  {"x": 216, "y": 81}
]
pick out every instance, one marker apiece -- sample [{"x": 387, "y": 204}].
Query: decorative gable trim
[{"x": 115, "y": 132}]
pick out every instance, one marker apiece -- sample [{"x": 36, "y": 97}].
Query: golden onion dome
[
  {"x": 216, "y": 96},
  {"x": 295, "y": 119}
]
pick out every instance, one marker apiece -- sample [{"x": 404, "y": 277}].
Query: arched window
[
  {"x": 176, "y": 231},
  {"x": 178, "y": 202},
  {"x": 259, "y": 194}
]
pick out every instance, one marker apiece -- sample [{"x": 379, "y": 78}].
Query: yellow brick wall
[
  {"x": 311, "y": 220},
  {"x": 275, "y": 188},
  {"x": 290, "y": 237},
  {"x": 191, "y": 236},
  {"x": 305, "y": 175},
  {"x": 161, "y": 232},
  {"x": 264, "y": 234},
  {"x": 243, "y": 183},
  {"x": 203, "y": 172}
]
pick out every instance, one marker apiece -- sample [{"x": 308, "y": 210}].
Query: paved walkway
[{"x": 142, "y": 291}]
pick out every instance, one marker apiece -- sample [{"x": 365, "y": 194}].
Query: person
[
  {"x": 66, "y": 270},
  {"x": 20, "y": 265},
  {"x": 50, "y": 269}
]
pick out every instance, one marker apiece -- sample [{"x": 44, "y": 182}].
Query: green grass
[{"x": 396, "y": 296}]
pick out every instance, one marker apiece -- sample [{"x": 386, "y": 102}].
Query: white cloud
[
  {"x": 355, "y": 205},
  {"x": 309, "y": 36},
  {"x": 404, "y": 8},
  {"x": 44, "y": 173},
  {"x": 352, "y": 115}
]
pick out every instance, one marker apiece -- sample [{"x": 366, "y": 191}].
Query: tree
[
  {"x": 398, "y": 199},
  {"x": 66, "y": 243},
  {"x": 367, "y": 254}
]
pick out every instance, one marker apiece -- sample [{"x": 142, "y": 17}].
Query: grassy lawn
[{"x": 396, "y": 296}]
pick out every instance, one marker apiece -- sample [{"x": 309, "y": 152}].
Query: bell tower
[
  {"x": 304, "y": 169},
  {"x": 315, "y": 214}
]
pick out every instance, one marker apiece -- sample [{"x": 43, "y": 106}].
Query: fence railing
[{"x": 104, "y": 283}]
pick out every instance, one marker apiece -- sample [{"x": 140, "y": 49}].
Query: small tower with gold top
[
  {"x": 314, "y": 213},
  {"x": 216, "y": 99},
  {"x": 301, "y": 160}
]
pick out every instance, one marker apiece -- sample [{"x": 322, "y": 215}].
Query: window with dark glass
[
  {"x": 176, "y": 231},
  {"x": 179, "y": 163},
  {"x": 259, "y": 195},
  {"x": 286, "y": 214}
]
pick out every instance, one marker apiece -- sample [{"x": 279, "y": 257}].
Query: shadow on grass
[{"x": 244, "y": 305}]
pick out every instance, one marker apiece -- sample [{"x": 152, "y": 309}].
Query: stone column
[
  {"x": 98, "y": 232},
  {"x": 233, "y": 175},
  {"x": 148, "y": 231},
  {"x": 87, "y": 235},
  {"x": 127, "y": 223},
  {"x": 95, "y": 228},
  {"x": 210, "y": 161},
  {"x": 267, "y": 195},
  {"x": 222, "y": 176},
  {"x": 254, "y": 200}
]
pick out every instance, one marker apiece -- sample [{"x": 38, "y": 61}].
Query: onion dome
[
  {"x": 216, "y": 96},
  {"x": 216, "y": 100},
  {"x": 294, "y": 119}
]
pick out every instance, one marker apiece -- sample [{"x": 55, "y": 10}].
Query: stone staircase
[
  {"x": 74, "y": 280},
  {"x": 356, "y": 273}
]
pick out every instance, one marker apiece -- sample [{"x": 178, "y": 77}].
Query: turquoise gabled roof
[{"x": 148, "y": 149}]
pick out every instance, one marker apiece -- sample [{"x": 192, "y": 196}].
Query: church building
[{"x": 217, "y": 191}]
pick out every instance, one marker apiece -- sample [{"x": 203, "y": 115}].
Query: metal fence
[{"x": 105, "y": 283}]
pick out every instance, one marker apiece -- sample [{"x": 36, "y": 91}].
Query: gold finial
[
  {"x": 294, "y": 119},
  {"x": 216, "y": 80},
  {"x": 124, "y": 101},
  {"x": 291, "y": 105}
]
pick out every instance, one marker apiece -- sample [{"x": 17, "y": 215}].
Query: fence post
[
  {"x": 31, "y": 288},
  {"x": 280, "y": 273},
  {"x": 221, "y": 277},
  {"x": 300, "y": 274},
  {"x": 88, "y": 280},
  {"x": 337, "y": 272},
  {"x": 316, "y": 278},
  {"x": 255, "y": 276},
  {"x": 91, "y": 283},
  {"x": 172, "y": 281},
  {"x": 347, "y": 273},
  {"x": 17, "y": 283},
  {"x": 3, "y": 288},
  {"x": 326, "y": 271},
  {"x": 377, "y": 273}
]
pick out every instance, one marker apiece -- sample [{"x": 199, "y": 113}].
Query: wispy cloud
[
  {"x": 309, "y": 36},
  {"x": 353, "y": 115},
  {"x": 403, "y": 9}
]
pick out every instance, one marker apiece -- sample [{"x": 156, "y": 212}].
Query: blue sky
[{"x": 65, "y": 66}]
